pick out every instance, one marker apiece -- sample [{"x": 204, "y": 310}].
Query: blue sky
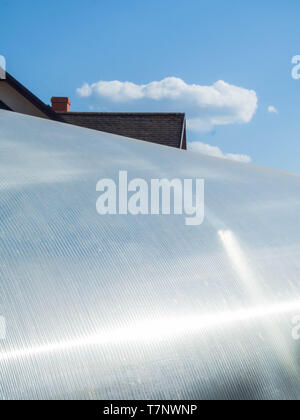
[{"x": 55, "y": 47}]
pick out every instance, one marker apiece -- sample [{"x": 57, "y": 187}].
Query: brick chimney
[{"x": 61, "y": 104}]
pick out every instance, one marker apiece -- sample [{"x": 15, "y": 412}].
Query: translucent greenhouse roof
[{"x": 142, "y": 307}]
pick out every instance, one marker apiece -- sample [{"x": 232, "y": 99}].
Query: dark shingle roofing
[{"x": 163, "y": 128}]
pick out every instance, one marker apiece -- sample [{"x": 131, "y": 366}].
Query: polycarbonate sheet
[{"x": 142, "y": 307}]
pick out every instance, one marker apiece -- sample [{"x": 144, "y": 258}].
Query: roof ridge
[{"x": 182, "y": 114}]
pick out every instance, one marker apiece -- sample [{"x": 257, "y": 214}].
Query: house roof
[
  {"x": 46, "y": 109},
  {"x": 163, "y": 128},
  {"x": 168, "y": 129}
]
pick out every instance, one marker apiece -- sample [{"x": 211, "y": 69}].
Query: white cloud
[
  {"x": 273, "y": 110},
  {"x": 215, "y": 151},
  {"x": 206, "y": 106}
]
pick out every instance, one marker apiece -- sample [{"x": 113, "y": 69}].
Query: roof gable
[{"x": 34, "y": 100}]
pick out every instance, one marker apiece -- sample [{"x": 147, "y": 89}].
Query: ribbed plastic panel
[{"x": 142, "y": 307}]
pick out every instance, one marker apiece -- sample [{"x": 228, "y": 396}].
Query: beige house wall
[{"x": 17, "y": 102}]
